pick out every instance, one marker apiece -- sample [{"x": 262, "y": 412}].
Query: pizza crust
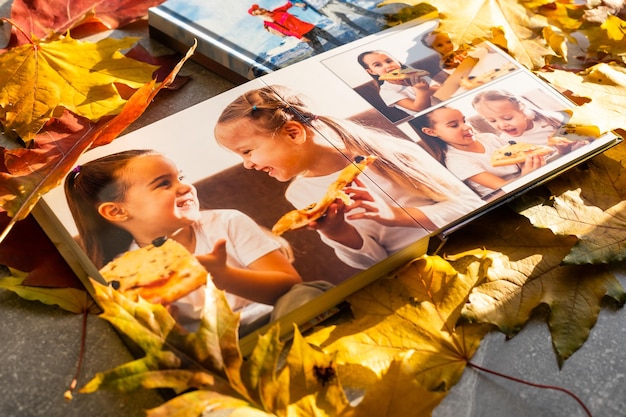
[
  {"x": 403, "y": 74},
  {"x": 517, "y": 152},
  {"x": 472, "y": 81},
  {"x": 159, "y": 273},
  {"x": 300, "y": 218}
]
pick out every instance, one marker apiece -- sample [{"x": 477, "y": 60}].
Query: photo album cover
[
  {"x": 299, "y": 187},
  {"x": 242, "y": 40}
]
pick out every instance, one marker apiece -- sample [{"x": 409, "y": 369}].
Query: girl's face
[
  {"x": 281, "y": 155},
  {"x": 449, "y": 126},
  {"x": 505, "y": 116},
  {"x": 442, "y": 44},
  {"x": 379, "y": 63},
  {"x": 157, "y": 201}
]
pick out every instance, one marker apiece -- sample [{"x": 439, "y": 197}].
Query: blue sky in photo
[{"x": 232, "y": 22}]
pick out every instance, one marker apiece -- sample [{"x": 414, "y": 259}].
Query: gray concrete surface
[{"x": 39, "y": 345}]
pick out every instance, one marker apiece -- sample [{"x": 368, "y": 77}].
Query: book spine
[{"x": 179, "y": 34}]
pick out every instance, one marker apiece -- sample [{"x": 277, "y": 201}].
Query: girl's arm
[
  {"x": 264, "y": 281},
  {"x": 422, "y": 96},
  {"x": 494, "y": 182},
  {"x": 381, "y": 212},
  {"x": 488, "y": 180}
]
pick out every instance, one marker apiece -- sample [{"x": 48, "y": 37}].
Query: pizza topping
[
  {"x": 160, "y": 273},
  {"x": 472, "y": 81},
  {"x": 403, "y": 74},
  {"x": 299, "y": 218},
  {"x": 159, "y": 241},
  {"x": 516, "y": 153}
]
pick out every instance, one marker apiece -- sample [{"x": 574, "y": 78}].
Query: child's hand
[
  {"x": 333, "y": 225},
  {"x": 373, "y": 208},
  {"x": 532, "y": 163},
  {"x": 418, "y": 82},
  {"x": 214, "y": 261}
]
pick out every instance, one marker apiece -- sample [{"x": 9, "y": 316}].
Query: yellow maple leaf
[
  {"x": 514, "y": 289},
  {"x": 410, "y": 318},
  {"x": 566, "y": 15},
  {"x": 467, "y": 20},
  {"x": 607, "y": 38},
  {"x": 33, "y": 171},
  {"x": 41, "y": 78},
  {"x": 589, "y": 204},
  {"x": 527, "y": 271},
  {"x": 605, "y": 85}
]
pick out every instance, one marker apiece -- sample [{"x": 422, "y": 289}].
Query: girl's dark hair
[
  {"x": 90, "y": 185},
  {"x": 432, "y": 144},
  {"x": 361, "y": 60}
]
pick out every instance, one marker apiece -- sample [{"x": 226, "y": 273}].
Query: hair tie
[
  {"x": 253, "y": 108},
  {"x": 76, "y": 169}
]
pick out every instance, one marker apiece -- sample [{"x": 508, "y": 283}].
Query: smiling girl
[
  {"x": 466, "y": 154},
  {"x": 400, "y": 198},
  {"x": 413, "y": 94},
  {"x": 124, "y": 201}
]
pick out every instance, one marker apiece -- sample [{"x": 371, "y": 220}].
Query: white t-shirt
[
  {"x": 380, "y": 241},
  {"x": 466, "y": 164},
  {"x": 245, "y": 243},
  {"x": 392, "y": 93}
]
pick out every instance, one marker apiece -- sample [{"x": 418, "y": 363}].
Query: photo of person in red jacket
[{"x": 282, "y": 23}]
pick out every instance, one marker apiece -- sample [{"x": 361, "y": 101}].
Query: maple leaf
[
  {"x": 207, "y": 368},
  {"x": 608, "y": 38},
  {"x": 398, "y": 392},
  {"x": 605, "y": 85},
  {"x": 41, "y": 77},
  {"x": 468, "y": 20},
  {"x": 27, "y": 174},
  {"x": 590, "y": 204},
  {"x": 566, "y": 15},
  {"x": 69, "y": 299},
  {"x": 312, "y": 385},
  {"x": 526, "y": 271},
  {"x": 42, "y": 18},
  {"x": 173, "y": 358},
  {"x": 29, "y": 249},
  {"x": 411, "y": 318}
]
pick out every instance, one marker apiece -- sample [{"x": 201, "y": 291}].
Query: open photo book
[{"x": 300, "y": 187}]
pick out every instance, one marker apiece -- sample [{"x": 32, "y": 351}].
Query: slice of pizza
[
  {"x": 402, "y": 74},
  {"x": 517, "y": 152},
  {"x": 473, "y": 81},
  {"x": 296, "y": 219},
  {"x": 160, "y": 273}
]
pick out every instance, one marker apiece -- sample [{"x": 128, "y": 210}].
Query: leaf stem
[
  {"x": 532, "y": 384},
  {"x": 81, "y": 355},
  {"x": 12, "y": 23}
]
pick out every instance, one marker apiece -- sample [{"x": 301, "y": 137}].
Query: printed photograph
[
  {"x": 277, "y": 33},
  {"x": 406, "y": 73},
  {"x": 498, "y": 133}
]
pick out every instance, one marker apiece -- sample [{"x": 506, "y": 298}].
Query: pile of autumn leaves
[{"x": 413, "y": 333}]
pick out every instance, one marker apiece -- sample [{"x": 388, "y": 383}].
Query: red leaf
[
  {"x": 166, "y": 64},
  {"x": 42, "y": 18},
  {"x": 28, "y": 249}
]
